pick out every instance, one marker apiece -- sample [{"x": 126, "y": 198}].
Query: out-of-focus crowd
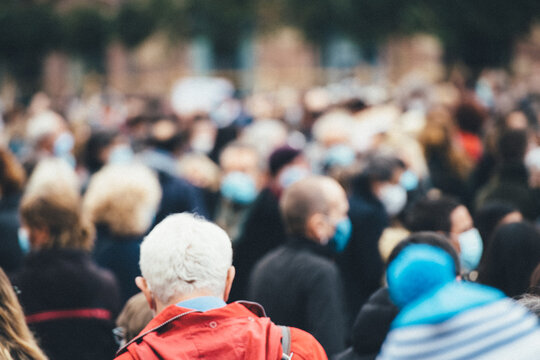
[{"x": 83, "y": 180}]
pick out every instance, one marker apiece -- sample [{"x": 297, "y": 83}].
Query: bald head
[{"x": 313, "y": 195}]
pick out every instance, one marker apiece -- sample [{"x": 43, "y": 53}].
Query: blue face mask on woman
[
  {"x": 341, "y": 237},
  {"x": 239, "y": 188},
  {"x": 471, "y": 245}
]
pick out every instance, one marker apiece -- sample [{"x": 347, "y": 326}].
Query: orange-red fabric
[
  {"x": 231, "y": 332},
  {"x": 472, "y": 144}
]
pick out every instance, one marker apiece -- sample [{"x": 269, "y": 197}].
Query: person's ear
[
  {"x": 316, "y": 227},
  {"x": 231, "y": 272},
  {"x": 38, "y": 236},
  {"x": 143, "y": 286}
]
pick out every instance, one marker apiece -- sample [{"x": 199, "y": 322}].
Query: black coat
[
  {"x": 57, "y": 281},
  {"x": 510, "y": 183},
  {"x": 262, "y": 231},
  {"x": 371, "y": 327},
  {"x": 299, "y": 285},
  {"x": 120, "y": 255},
  {"x": 361, "y": 263},
  {"x": 11, "y": 255}
]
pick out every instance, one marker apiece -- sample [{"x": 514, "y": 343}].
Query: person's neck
[{"x": 199, "y": 293}]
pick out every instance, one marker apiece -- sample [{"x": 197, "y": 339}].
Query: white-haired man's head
[{"x": 185, "y": 256}]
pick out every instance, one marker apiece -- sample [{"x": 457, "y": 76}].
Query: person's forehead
[
  {"x": 460, "y": 219},
  {"x": 239, "y": 158}
]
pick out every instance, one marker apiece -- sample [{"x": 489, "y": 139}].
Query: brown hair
[
  {"x": 16, "y": 340},
  {"x": 303, "y": 199},
  {"x": 60, "y": 213},
  {"x": 12, "y": 175},
  {"x": 438, "y": 138},
  {"x": 135, "y": 315}
]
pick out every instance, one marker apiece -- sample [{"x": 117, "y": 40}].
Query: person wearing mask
[
  {"x": 70, "y": 303},
  {"x": 263, "y": 229},
  {"x": 242, "y": 179},
  {"x": 49, "y": 136},
  {"x": 376, "y": 197},
  {"x": 298, "y": 283},
  {"x": 447, "y": 216},
  {"x": 186, "y": 263}
]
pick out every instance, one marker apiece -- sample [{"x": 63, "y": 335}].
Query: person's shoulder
[
  {"x": 124, "y": 356},
  {"x": 305, "y": 346}
]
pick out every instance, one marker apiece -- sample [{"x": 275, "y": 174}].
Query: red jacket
[{"x": 236, "y": 331}]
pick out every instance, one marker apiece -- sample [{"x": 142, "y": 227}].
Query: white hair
[
  {"x": 265, "y": 135},
  {"x": 184, "y": 254},
  {"x": 43, "y": 124},
  {"x": 334, "y": 125},
  {"x": 125, "y": 197}
]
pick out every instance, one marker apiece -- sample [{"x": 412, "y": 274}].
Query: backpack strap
[{"x": 286, "y": 343}]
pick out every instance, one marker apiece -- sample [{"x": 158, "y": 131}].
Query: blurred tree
[
  {"x": 27, "y": 33},
  {"x": 87, "y": 31},
  {"x": 135, "y": 21},
  {"x": 478, "y": 33}
]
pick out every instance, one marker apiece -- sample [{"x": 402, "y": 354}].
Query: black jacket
[
  {"x": 361, "y": 263},
  {"x": 120, "y": 255},
  {"x": 510, "y": 184},
  {"x": 11, "y": 255},
  {"x": 371, "y": 327},
  {"x": 53, "y": 284},
  {"x": 263, "y": 230},
  {"x": 299, "y": 285}
]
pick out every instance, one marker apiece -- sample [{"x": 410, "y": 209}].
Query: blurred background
[{"x": 69, "y": 47}]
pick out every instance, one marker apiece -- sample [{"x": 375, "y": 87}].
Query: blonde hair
[
  {"x": 16, "y": 340},
  {"x": 52, "y": 201},
  {"x": 123, "y": 197}
]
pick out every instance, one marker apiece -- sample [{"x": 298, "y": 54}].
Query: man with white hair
[{"x": 186, "y": 263}]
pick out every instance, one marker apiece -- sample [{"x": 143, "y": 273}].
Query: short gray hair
[{"x": 185, "y": 253}]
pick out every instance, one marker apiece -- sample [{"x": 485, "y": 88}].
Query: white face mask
[
  {"x": 471, "y": 245},
  {"x": 394, "y": 198}
]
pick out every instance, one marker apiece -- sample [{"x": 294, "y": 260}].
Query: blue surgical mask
[
  {"x": 409, "y": 180},
  {"x": 121, "y": 154},
  {"x": 291, "y": 175},
  {"x": 339, "y": 155},
  {"x": 63, "y": 144},
  {"x": 341, "y": 237},
  {"x": 62, "y": 148},
  {"x": 24, "y": 240},
  {"x": 239, "y": 188},
  {"x": 471, "y": 245}
]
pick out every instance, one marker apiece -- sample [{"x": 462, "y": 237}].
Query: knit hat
[
  {"x": 417, "y": 270},
  {"x": 450, "y": 319},
  {"x": 280, "y": 157}
]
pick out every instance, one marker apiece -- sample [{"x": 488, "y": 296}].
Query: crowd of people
[{"x": 367, "y": 221}]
